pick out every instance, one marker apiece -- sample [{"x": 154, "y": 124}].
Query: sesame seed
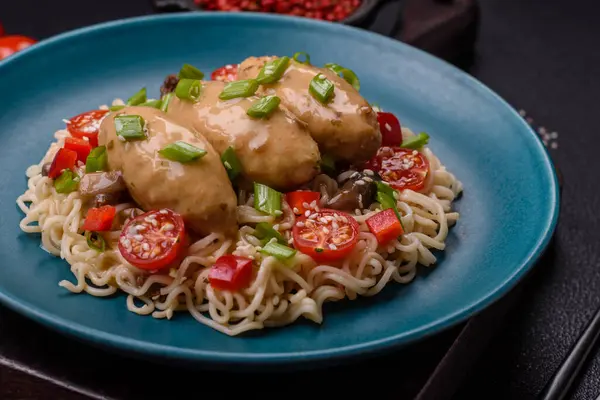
[
  {"x": 164, "y": 244},
  {"x": 291, "y": 241},
  {"x": 414, "y": 152},
  {"x": 323, "y": 220},
  {"x": 278, "y": 213},
  {"x": 554, "y": 145},
  {"x": 325, "y": 230},
  {"x": 66, "y": 121},
  {"x": 368, "y": 172},
  {"x": 163, "y": 211},
  {"x": 168, "y": 227},
  {"x": 317, "y": 209},
  {"x": 332, "y": 246},
  {"x": 140, "y": 228},
  {"x": 367, "y": 179},
  {"x": 307, "y": 213},
  {"x": 227, "y": 165},
  {"x": 138, "y": 237},
  {"x": 146, "y": 255},
  {"x": 154, "y": 222},
  {"x": 121, "y": 138},
  {"x": 296, "y": 211},
  {"x": 312, "y": 216},
  {"x": 335, "y": 225},
  {"x": 313, "y": 204},
  {"x": 328, "y": 218},
  {"x": 344, "y": 219},
  {"x": 388, "y": 127},
  {"x": 354, "y": 175},
  {"x": 276, "y": 227},
  {"x": 305, "y": 205},
  {"x": 360, "y": 182},
  {"x": 300, "y": 224},
  {"x": 145, "y": 246}
]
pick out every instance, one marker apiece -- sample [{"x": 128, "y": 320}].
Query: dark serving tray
[{"x": 432, "y": 368}]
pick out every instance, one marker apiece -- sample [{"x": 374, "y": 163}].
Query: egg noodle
[{"x": 280, "y": 292}]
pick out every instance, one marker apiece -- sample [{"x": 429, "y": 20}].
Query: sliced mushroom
[
  {"x": 103, "y": 199},
  {"x": 169, "y": 84},
  {"x": 357, "y": 191},
  {"x": 46, "y": 169},
  {"x": 102, "y": 183}
]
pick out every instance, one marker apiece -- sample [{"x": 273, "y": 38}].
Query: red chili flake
[{"x": 330, "y": 10}]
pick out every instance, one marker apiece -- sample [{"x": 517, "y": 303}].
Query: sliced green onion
[
  {"x": 164, "y": 105},
  {"x": 267, "y": 200},
  {"x": 116, "y": 108},
  {"x": 263, "y": 107},
  {"x": 152, "y": 103},
  {"x": 386, "y": 198},
  {"x": 348, "y": 75},
  {"x": 386, "y": 189},
  {"x": 97, "y": 160},
  {"x": 188, "y": 89},
  {"x": 321, "y": 88},
  {"x": 95, "y": 241},
  {"x": 190, "y": 72},
  {"x": 243, "y": 88},
  {"x": 182, "y": 152},
  {"x": 278, "y": 251},
  {"x": 67, "y": 182},
  {"x": 138, "y": 98},
  {"x": 327, "y": 164},
  {"x": 232, "y": 164},
  {"x": 130, "y": 127},
  {"x": 273, "y": 70},
  {"x": 416, "y": 142},
  {"x": 299, "y": 54},
  {"x": 266, "y": 232}
]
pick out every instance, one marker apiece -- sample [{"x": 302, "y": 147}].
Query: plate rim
[{"x": 394, "y": 341}]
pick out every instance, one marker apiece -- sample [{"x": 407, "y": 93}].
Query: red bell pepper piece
[
  {"x": 80, "y": 146},
  {"x": 385, "y": 225},
  {"x": 231, "y": 273},
  {"x": 64, "y": 159},
  {"x": 99, "y": 219},
  {"x": 391, "y": 132},
  {"x": 297, "y": 198}
]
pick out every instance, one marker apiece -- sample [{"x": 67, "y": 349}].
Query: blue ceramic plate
[{"x": 508, "y": 210}]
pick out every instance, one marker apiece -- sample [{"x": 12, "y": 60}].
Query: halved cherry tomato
[
  {"x": 299, "y": 197},
  {"x": 14, "y": 43},
  {"x": 385, "y": 225},
  {"x": 64, "y": 159},
  {"x": 80, "y": 146},
  {"x": 99, "y": 219},
  {"x": 230, "y": 272},
  {"x": 153, "y": 240},
  {"x": 327, "y": 235},
  {"x": 391, "y": 132},
  {"x": 227, "y": 73},
  {"x": 401, "y": 168},
  {"x": 87, "y": 125}
]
